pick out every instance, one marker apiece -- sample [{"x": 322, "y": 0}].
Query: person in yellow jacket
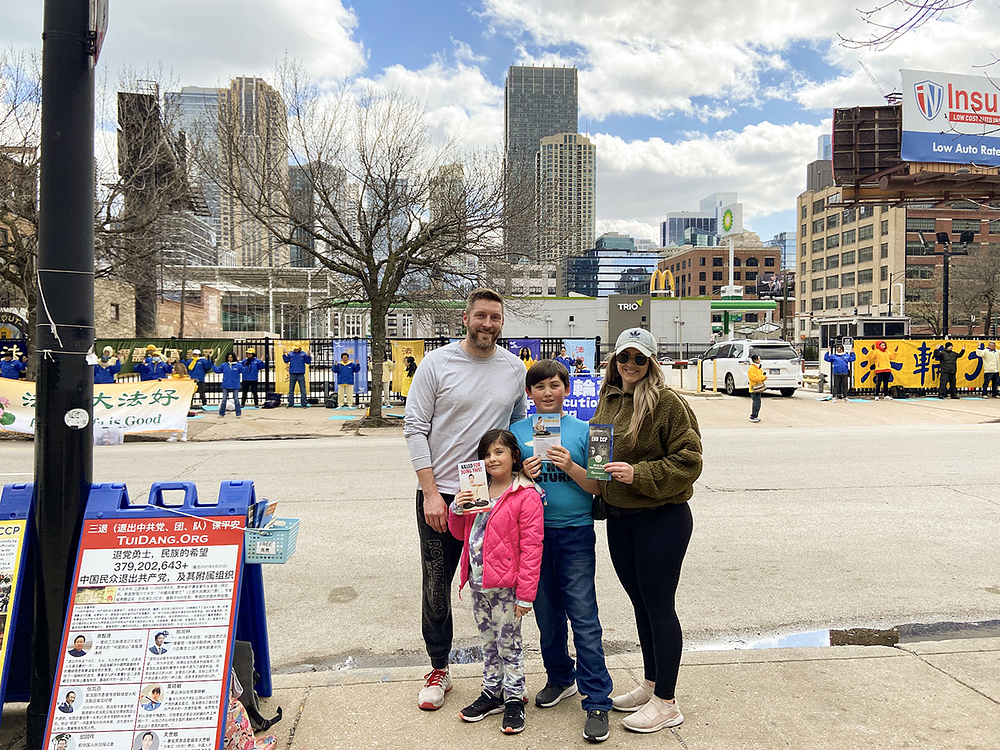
[
  {"x": 880, "y": 360},
  {"x": 757, "y": 377}
]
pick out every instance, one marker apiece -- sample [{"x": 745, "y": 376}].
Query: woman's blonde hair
[{"x": 645, "y": 397}]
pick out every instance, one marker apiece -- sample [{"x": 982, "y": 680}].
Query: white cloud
[
  {"x": 208, "y": 42},
  {"x": 639, "y": 230},
  {"x": 639, "y": 181}
]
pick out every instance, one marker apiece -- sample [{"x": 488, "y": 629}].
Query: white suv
[{"x": 731, "y": 361}]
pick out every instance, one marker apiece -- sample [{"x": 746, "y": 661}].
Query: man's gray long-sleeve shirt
[{"x": 454, "y": 399}]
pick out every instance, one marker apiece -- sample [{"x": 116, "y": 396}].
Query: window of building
[
  {"x": 818, "y": 246},
  {"x": 802, "y": 266},
  {"x": 802, "y": 324},
  {"x": 804, "y": 209},
  {"x": 701, "y": 290},
  {"x": 833, "y": 261},
  {"x": 847, "y": 300},
  {"x": 736, "y": 276},
  {"x": 995, "y": 226},
  {"x": 848, "y": 216},
  {"x": 833, "y": 241},
  {"x": 884, "y": 227},
  {"x": 115, "y": 311},
  {"x": 883, "y": 250},
  {"x": 701, "y": 261},
  {"x": 817, "y": 264},
  {"x": 915, "y": 224},
  {"x": 847, "y": 259},
  {"x": 736, "y": 262},
  {"x": 818, "y": 225},
  {"x": 750, "y": 317},
  {"x": 802, "y": 232},
  {"x": 883, "y": 296},
  {"x": 920, "y": 295},
  {"x": 701, "y": 276},
  {"x": 866, "y": 232},
  {"x": 817, "y": 304},
  {"x": 831, "y": 302},
  {"x": 866, "y": 254},
  {"x": 920, "y": 272},
  {"x": 831, "y": 282},
  {"x": 752, "y": 262},
  {"x": 864, "y": 298},
  {"x": 865, "y": 276},
  {"x": 716, "y": 289},
  {"x": 769, "y": 262},
  {"x": 865, "y": 211},
  {"x": 535, "y": 290},
  {"x": 833, "y": 221},
  {"x": 716, "y": 275},
  {"x": 966, "y": 225},
  {"x": 819, "y": 206},
  {"x": 849, "y": 237},
  {"x": 883, "y": 273},
  {"x": 750, "y": 275},
  {"x": 847, "y": 279},
  {"x": 802, "y": 305},
  {"x": 717, "y": 261},
  {"x": 917, "y": 248}
]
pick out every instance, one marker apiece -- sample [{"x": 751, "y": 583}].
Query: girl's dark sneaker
[{"x": 485, "y": 705}]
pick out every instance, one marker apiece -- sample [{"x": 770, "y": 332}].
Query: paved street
[{"x": 853, "y": 523}]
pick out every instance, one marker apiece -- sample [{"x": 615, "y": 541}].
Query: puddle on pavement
[
  {"x": 473, "y": 653},
  {"x": 910, "y": 633}
]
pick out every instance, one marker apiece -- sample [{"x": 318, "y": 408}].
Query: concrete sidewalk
[{"x": 936, "y": 695}]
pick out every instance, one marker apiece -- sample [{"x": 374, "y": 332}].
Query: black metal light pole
[{"x": 64, "y": 331}]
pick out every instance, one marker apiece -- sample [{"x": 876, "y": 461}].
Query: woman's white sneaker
[
  {"x": 635, "y": 698},
  {"x": 657, "y": 714}
]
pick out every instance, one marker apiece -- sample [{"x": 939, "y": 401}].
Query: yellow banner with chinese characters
[
  {"x": 281, "y": 348},
  {"x": 400, "y": 351},
  {"x": 913, "y": 364},
  {"x": 150, "y": 406}
]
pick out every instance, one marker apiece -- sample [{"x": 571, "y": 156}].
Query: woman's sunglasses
[{"x": 639, "y": 359}]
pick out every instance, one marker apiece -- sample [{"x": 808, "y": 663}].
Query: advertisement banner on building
[
  {"x": 913, "y": 364},
  {"x": 122, "y": 408},
  {"x": 950, "y": 118},
  {"x": 356, "y": 350}
]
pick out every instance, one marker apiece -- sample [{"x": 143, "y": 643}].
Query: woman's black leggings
[{"x": 647, "y": 550}]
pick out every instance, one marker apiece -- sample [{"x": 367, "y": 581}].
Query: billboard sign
[
  {"x": 950, "y": 118},
  {"x": 729, "y": 219}
]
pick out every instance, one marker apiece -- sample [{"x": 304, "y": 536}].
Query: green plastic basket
[{"x": 275, "y": 544}]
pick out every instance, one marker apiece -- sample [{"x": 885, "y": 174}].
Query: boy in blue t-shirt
[{"x": 566, "y": 586}]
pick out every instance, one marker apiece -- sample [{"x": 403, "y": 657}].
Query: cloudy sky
[{"x": 683, "y": 100}]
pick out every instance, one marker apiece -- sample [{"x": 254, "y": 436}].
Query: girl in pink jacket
[{"x": 501, "y": 560}]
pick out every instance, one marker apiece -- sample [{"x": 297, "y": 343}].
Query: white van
[{"x": 730, "y": 361}]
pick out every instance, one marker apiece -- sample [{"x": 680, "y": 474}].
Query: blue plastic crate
[{"x": 275, "y": 544}]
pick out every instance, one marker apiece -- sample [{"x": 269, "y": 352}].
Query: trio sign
[{"x": 950, "y": 118}]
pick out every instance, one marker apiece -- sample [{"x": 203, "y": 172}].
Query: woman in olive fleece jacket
[{"x": 654, "y": 468}]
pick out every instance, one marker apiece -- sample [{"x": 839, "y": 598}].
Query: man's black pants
[
  {"x": 439, "y": 557},
  {"x": 947, "y": 385}
]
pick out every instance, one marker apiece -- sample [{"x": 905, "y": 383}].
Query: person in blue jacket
[
  {"x": 108, "y": 366},
  {"x": 565, "y": 360},
  {"x": 199, "y": 366},
  {"x": 840, "y": 367},
  {"x": 345, "y": 370},
  {"x": 296, "y": 360},
  {"x": 232, "y": 373},
  {"x": 10, "y": 367},
  {"x": 154, "y": 368},
  {"x": 253, "y": 366}
]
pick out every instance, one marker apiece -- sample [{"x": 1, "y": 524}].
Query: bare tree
[
  {"x": 395, "y": 216},
  {"x": 894, "y": 19},
  {"x": 975, "y": 285}
]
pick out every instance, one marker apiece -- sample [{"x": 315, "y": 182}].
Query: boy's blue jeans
[{"x": 566, "y": 592}]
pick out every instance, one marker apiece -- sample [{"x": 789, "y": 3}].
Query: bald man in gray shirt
[{"x": 459, "y": 392}]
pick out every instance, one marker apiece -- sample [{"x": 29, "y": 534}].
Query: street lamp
[{"x": 944, "y": 239}]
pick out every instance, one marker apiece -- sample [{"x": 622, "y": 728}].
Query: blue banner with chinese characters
[{"x": 581, "y": 401}]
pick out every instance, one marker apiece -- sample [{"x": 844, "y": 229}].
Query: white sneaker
[
  {"x": 876, "y": 398},
  {"x": 437, "y": 683},
  {"x": 888, "y": 398},
  {"x": 635, "y": 698},
  {"x": 657, "y": 714},
  {"x": 172, "y": 439}
]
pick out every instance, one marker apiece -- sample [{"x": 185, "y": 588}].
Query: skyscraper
[
  {"x": 538, "y": 102},
  {"x": 254, "y": 154},
  {"x": 566, "y": 179}
]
